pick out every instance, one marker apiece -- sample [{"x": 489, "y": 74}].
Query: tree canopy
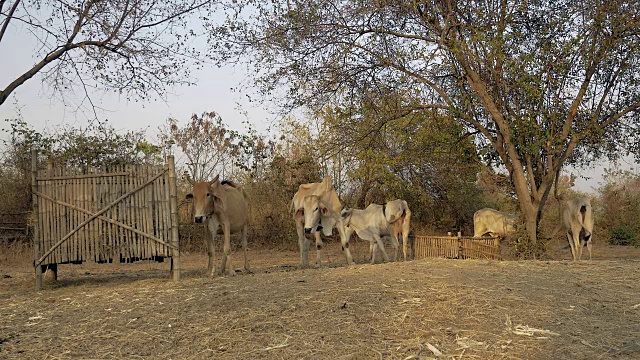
[
  {"x": 538, "y": 83},
  {"x": 133, "y": 47}
]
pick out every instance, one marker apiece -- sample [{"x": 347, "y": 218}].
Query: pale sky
[{"x": 213, "y": 92}]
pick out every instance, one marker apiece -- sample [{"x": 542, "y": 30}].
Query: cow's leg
[
  {"x": 404, "y": 245},
  {"x": 381, "y": 246},
  {"x": 589, "y": 247},
  {"x": 210, "y": 234},
  {"x": 576, "y": 230},
  {"x": 372, "y": 251},
  {"x": 304, "y": 258},
  {"x": 581, "y": 243},
  {"x": 245, "y": 249},
  {"x": 345, "y": 242},
  {"x": 394, "y": 243},
  {"x": 318, "y": 248},
  {"x": 570, "y": 239},
  {"x": 406, "y": 224},
  {"x": 226, "y": 256}
]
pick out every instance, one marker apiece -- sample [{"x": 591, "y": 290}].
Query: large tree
[
  {"x": 423, "y": 157},
  {"x": 134, "y": 47},
  {"x": 539, "y": 83}
]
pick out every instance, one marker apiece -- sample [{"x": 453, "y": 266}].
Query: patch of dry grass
[{"x": 423, "y": 309}]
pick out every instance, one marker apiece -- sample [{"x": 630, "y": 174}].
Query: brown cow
[
  {"x": 225, "y": 205},
  {"x": 316, "y": 207}
]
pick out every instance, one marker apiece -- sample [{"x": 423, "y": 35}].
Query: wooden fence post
[
  {"x": 34, "y": 216},
  {"x": 173, "y": 203},
  {"x": 460, "y": 250}
]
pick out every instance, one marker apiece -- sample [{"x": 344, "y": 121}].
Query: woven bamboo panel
[
  {"x": 436, "y": 246},
  {"x": 132, "y": 207},
  {"x": 456, "y": 247},
  {"x": 480, "y": 248}
]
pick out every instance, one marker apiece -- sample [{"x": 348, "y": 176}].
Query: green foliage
[
  {"x": 422, "y": 157},
  {"x": 619, "y": 208},
  {"x": 94, "y": 146},
  {"x": 623, "y": 235},
  {"x": 531, "y": 82}
]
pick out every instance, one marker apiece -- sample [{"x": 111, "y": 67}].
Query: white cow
[
  {"x": 221, "y": 205},
  {"x": 397, "y": 213},
  {"x": 316, "y": 207},
  {"x": 493, "y": 222},
  {"x": 371, "y": 224},
  {"x": 578, "y": 220},
  {"x": 377, "y": 222}
]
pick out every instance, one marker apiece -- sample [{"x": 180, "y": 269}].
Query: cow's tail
[
  {"x": 249, "y": 207},
  {"x": 586, "y": 214}
]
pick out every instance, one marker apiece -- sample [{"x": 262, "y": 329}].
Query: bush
[
  {"x": 623, "y": 235},
  {"x": 517, "y": 246}
]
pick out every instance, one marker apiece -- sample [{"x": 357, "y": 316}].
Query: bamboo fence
[
  {"x": 120, "y": 213},
  {"x": 456, "y": 247}
]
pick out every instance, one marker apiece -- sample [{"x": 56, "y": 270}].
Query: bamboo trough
[{"x": 121, "y": 213}]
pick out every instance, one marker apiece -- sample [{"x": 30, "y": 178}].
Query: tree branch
[{"x": 9, "y": 17}]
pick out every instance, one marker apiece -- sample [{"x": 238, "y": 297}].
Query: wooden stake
[{"x": 173, "y": 189}]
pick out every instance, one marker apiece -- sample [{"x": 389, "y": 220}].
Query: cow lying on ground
[
  {"x": 316, "y": 207},
  {"x": 578, "y": 220},
  {"x": 493, "y": 222},
  {"x": 224, "y": 205}
]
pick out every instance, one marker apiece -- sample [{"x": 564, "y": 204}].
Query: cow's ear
[
  {"x": 189, "y": 196},
  {"x": 214, "y": 183},
  {"x": 328, "y": 186},
  {"x": 219, "y": 203},
  {"x": 324, "y": 211},
  {"x": 299, "y": 212}
]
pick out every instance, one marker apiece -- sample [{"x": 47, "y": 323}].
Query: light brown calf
[{"x": 221, "y": 205}]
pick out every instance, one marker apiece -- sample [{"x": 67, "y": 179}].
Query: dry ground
[{"x": 434, "y": 308}]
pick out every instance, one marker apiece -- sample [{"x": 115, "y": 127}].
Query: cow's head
[
  {"x": 510, "y": 224},
  {"x": 312, "y": 208},
  {"x": 394, "y": 210},
  {"x": 206, "y": 199}
]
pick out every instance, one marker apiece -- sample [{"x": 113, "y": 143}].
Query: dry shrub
[
  {"x": 15, "y": 251},
  {"x": 517, "y": 246}
]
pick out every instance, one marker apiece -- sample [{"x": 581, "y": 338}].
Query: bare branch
[{"x": 8, "y": 18}]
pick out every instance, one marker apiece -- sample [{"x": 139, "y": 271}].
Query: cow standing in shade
[
  {"x": 221, "y": 205},
  {"x": 493, "y": 222},
  {"x": 316, "y": 207},
  {"x": 578, "y": 219}
]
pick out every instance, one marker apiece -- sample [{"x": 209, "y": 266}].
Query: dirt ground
[{"x": 433, "y": 308}]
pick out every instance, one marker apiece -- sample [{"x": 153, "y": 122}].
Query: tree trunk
[{"x": 530, "y": 208}]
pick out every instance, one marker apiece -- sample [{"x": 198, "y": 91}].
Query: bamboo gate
[
  {"x": 457, "y": 247},
  {"x": 121, "y": 213}
]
